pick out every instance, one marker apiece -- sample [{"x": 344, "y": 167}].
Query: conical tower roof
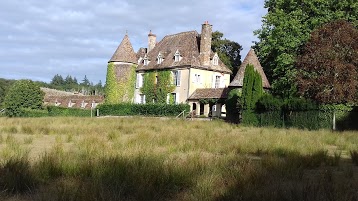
[
  {"x": 124, "y": 52},
  {"x": 252, "y": 59}
]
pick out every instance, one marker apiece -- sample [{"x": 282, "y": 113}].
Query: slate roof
[
  {"x": 206, "y": 93},
  {"x": 124, "y": 52},
  {"x": 188, "y": 45},
  {"x": 250, "y": 58}
]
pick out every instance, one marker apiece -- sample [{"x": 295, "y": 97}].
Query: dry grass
[{"x": 169, "y": 159}]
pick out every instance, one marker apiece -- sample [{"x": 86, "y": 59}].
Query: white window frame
[
  {"x": 177, "y": 56},
  {"x": 83, "y": 104},
  {"x": 217, "y": 81},
  {"x": 216, "y": 60},
  {"x": 160, "y": 59},
  {"x": 142, "y": 98},
  {"x": 176, "y": 77}
]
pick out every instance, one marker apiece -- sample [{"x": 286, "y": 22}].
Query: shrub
[
  {"x": 68, "y": 112},
  {"x": 233, "y": 106},
  {"x": 24, "y": 94},
  {"x": 143, "y": 109},
  {"x": 267, "y": 102}
]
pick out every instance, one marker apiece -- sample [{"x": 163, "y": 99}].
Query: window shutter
[
  {"x": 168, "y": 96},
  {"x": 177, "y": 98},
  {"x": 178, "y": 78},
  {"x": 137, "y": 98}
]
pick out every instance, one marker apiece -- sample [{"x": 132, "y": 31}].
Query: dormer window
[
  {"x": 140, "y": 60},
  {"x": 177, "y": 56},
  {"x": 216, "y": 59},
  {"x": 160, "y": 58},
  {"x": 145, "y": 60}
]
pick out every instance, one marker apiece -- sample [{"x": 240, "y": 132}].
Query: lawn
[{"x": 170, "y": 159}]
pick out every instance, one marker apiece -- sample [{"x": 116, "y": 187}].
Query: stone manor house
[{"x": 197, "y": 72}]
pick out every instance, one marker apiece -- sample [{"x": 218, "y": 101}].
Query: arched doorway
[{"x": 202, "y": 108}]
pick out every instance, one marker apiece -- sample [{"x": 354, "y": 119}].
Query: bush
[
  {"x": 142, "y": 109},
  {"x": 23, "y": 94},
  {"x": 68, "y": 112},
  {"x": 233, "y": 106},
  {"x": 267, "y": 102}
]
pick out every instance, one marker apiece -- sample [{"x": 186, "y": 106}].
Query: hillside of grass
[{"x": 171, "y": 159}]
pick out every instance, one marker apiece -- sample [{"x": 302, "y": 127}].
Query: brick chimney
[
  {"x": 205, "y": 43},
  {"x": 152, "y": 40}
]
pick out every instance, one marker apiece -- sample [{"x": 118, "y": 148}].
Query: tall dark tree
[
  {"x": 57, "y": 80},
  {"x": 286, "y": 27},
  {"x": 228, "y": 51},
  {"x": 328, "y": 66}
]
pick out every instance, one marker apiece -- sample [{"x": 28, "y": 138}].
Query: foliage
[
  {"x": 149, "y": 86},
  {"x": 286, "y": 27},
  {"x": 328, "y": 65},
  {"x": 157, "y": 85},
  {"x": 23, "y": 94},
  {"x": 4, "y": 87},
  {"x": 268, "y": 102},
  {"x": 164, "y": 85},
  {"x": 233, "y": 105},
  {"x": 55, "y": 111},
  {"x": 112, "y": 87},
  {"x": 252, "y": 88},
  {"x": 71, "y": 84},
  {"x": 150, "y": 109},
  {"x": 228, "y": 51}
]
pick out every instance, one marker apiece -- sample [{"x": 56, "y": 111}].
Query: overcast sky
[{"x": 39, "y": 39}]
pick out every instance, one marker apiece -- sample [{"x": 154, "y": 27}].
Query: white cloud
[{"x": 42, "y": 38}]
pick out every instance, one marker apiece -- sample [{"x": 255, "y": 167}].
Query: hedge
[
  {"x": 128, "y": 109},
  {"x": 68, "y": 112}
]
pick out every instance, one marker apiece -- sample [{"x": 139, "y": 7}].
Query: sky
[{"x": 39, "y": 39}]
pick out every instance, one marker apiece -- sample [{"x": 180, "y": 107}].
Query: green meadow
[{"x": 171, "y": 159}]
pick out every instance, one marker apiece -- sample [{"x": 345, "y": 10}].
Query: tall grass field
[{"x": 170, "y": 159}]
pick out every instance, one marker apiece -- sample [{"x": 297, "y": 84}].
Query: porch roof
[{"x": 206, "y": 93}]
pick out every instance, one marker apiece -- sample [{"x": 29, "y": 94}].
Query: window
[
  {"x": 70, "y": 103},
  {"x": 197, "y": 78},
  {"x": 142, "y": 98},
  {"x": 176, "y": 78},
  {"x": 145, "y": 60},
  {"x": 83, "y": 104},
  {"x": 217, "y": 81},
  {"x": 173, "y": 98},
  {"x": 160, "y": 59},
  {"x": 93, "y": 105},
  {"x": 139, "y": 80},
  {"x": 177, "y": 56},
  {"x": 216, "y": 59}
]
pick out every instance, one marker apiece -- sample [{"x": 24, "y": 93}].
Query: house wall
[
  {"x": 207, "y": 79},
  {"x": 189, "y": 83}
]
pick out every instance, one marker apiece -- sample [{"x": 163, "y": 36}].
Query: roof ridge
[{"x": 184, "y": 32}]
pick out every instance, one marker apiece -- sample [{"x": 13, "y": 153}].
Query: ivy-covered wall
[
  {"x": 156, "y": 86},
  {"x": 123, "y": 90}
]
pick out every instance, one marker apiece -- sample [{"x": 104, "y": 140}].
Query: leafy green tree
[
  {"x": 23, "y": 94},
  {"x": 228, "y": 51},
  {"x": 247, "y": 87},
  {"x": 4, "y": 87},
  {"x": 328, "y": 65},
  {"x": 286, "y": 27}
]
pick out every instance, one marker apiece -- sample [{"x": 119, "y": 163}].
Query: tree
[
  {"x": 4, "y": 87},
  {"x": 57, "y": 80},
  {"x": 233, "y": 106},
  {"x": 328, "y": 64},
  {"x": 228, "y": 51},
  {"x": 23, "y": 94},
  {"x": 252, "y": 88},
  {"x": 286, "y": 27}
]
